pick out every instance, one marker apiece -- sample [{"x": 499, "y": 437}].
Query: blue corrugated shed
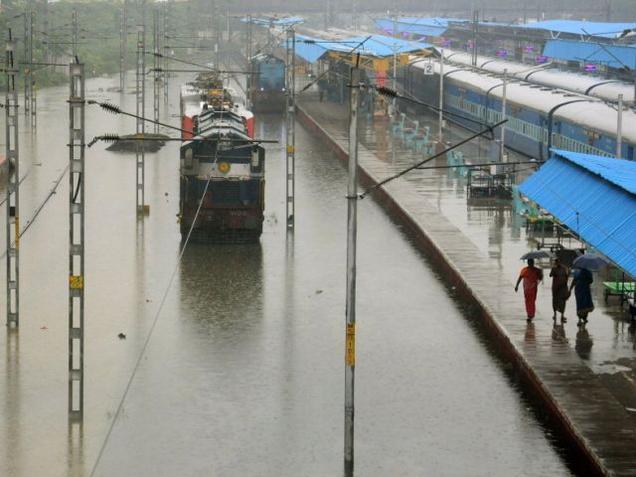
[
  {"x": 610, "y": 55},
  {"x": 579, "y": 27},
  {"x": 379, "y": 46},
  {"x": 593, "y": 196}
]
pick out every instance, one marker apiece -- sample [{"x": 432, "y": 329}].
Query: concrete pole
[
  {"x": 156, "y": 83},
  {"x": 354, "y": 14},
  {"x": 123, "y": 45},
  {"x": 394, "y": 102},
  {"x": 502, "y": 145},
  {"x": 75, "y": 33},
  {"x": 619, "y": 128},
  {"x": 29, "y": 26},
  {"x": 166, "y": 50},
  {"x": 440, "y": 130},
  {"x": 474, "y": 49},
  {"x": 12, "y": 190},
  {"x": 27, "y": 66},
  {"x": 227, "y": 23},
  {"x": 352, "y": 225},
  {"x": 395, "y": 32},
  {"x": 248, "y": 57}
]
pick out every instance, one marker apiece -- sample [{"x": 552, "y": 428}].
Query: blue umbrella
[{"x": 590, "y": 262}]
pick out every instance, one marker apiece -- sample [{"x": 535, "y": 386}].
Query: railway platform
[{"x": 583, "y": 378}]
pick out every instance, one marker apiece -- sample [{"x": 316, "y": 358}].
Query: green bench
[{"x": 622, "y": 289}]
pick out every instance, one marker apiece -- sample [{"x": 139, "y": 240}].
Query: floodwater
[
  {"x": 607, "y": 343},
  {"x": 241, "y": 371}
]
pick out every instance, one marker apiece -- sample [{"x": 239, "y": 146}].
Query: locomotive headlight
[{"x": 223, "y": 167}]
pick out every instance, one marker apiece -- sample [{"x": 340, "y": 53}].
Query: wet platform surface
[{"x": 588, "y": 380}]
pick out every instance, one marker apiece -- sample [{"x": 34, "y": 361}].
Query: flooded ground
[
  {"x": 243, "y": 373},
  {"x": 607, "y": 344}
]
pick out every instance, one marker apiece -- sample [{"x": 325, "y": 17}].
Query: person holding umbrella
[
  {"x": 581, "y": 284},
  {"x": 560, "y": 292},
  {"x": 531, "y": 277}
]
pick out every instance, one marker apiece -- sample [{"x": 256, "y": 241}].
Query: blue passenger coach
[{"x": 539, "y": 117}]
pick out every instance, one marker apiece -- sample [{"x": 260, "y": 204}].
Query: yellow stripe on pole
[
  {"x": 76, "y": 282},
  {"x": 350, "y": 354}
]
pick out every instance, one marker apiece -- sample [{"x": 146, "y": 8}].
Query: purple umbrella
[{"x": 589, "y": 261}]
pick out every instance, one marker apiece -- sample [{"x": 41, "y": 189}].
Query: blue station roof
[
  {"x": 578, "y": 27},
  {"x": 595, "y": 197},
  {"x": 430, "y": 26},
  {"x": 312, "y": 49},
  {"x": 615, "y": 56}
]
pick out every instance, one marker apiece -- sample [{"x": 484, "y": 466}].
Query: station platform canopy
[
  {"x": 582, "y": 28},
  {"x": 595, "y": 197},
  {"x": 373, "y": 47},
  {"x": 614, "y": 56},
  {"x": 422, "y": 26},
  {"x": 274, "y": 21}
]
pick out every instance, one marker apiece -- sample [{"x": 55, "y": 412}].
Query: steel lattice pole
[
  {"x": 291, "y": 124},
  {"x": 12, "y": 153},
  {"x": 77, "y": 183},
  {"x": 140, "y": 93}
]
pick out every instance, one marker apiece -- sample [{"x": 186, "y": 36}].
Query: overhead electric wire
[
  {"x": 485, "y": 164},
  {"x": 383, "y": 90},
  {"x": 114, "y": 109},
  {"x": 154, "y": 324},
  {"x": 489, "y": 129},
  {"x": 198, "y": 65},
  {"x": 40, "y": 207}
]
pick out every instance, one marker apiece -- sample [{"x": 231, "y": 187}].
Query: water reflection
[
  {"x": 221, "y": 286},
  {"x": 75, "y": 439},
  {"x": 584, "y": 342},
  {"x": 530, "y": 334},
  {"x": 558, "y": 333},
  {"x": 12, "y": 400}
]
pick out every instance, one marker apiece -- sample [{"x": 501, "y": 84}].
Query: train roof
[
  {"x": 604, "y": 88},
  {"x": 575, "y": 108}
]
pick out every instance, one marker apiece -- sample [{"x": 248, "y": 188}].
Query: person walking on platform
[
  {"x": 560, "y": 292},
  {"x": 531, "y": 277},
  {"x": 581, "y": 283}
]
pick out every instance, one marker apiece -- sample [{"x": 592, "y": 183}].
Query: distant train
[
  {"x": 539, "y": 118},
  {"x": 267, "y": 83},
  {"x": 591, "y": 85}
]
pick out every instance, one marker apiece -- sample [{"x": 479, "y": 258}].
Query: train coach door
[{"x": 630, "y": 153}]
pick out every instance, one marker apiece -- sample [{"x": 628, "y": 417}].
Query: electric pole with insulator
[
  {"x": 290, "y": 116},
  {"x": 77, "y": 183},
  {"x": 156, "y": 88},
  {"x": 352, "y": 226},
  {"x": 140, "y": 95},
  {"x": 123, "y": 45},
  {"x": 12, "y": 191}
]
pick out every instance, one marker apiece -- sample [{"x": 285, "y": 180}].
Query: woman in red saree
[{"x": 531, "y": 277}]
